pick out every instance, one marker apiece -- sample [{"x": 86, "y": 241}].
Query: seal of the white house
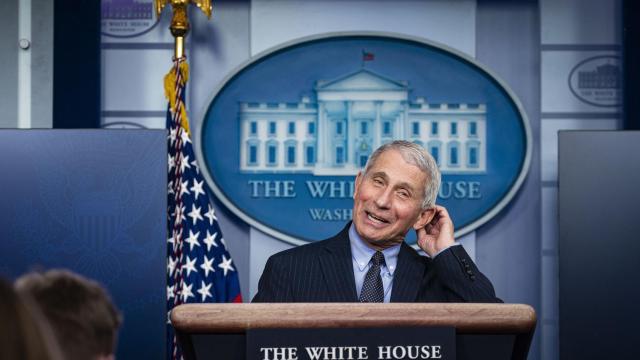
[
  {"x": 127, "y": 18},
  {"x": 285, "y": 133},
  {"x": 598, "y": 81}
]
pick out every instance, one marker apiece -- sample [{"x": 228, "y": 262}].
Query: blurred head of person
[
  {"x": 24, "y": 332},
  {"x": 80, "y": 312}
]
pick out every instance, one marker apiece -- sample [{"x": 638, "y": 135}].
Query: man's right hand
[{"x": 437, "y": 235}]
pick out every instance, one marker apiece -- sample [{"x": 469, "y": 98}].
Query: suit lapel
[
  {"x": 337, "y": 267},
  {"x": 408, "y": 276}
]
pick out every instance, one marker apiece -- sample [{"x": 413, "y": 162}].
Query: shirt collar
[{"x": 362, "y": 253}]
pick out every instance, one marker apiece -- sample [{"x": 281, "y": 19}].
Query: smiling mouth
[{"x": 376, "y": 219}]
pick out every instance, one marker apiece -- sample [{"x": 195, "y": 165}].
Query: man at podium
[{"x": 368, "y": 261}]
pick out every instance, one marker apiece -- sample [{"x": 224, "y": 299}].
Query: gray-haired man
[{"x": 368, "y": 260}]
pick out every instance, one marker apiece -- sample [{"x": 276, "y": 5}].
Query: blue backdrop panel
[{"x": 93, "y": 201}]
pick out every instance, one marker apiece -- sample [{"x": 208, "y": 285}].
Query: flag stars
[
  {"x": 197, "y": 188},
  {"x": 171, "y": 162},
  {"x": 204, "y": 291},
  {"x": 175, "y": 238},
  {"x": 195, "y": 166},
  {"x": 210, "y": 240},
  {"x": 184, "y": 163},
  {"x": 186, "y": 292},
  {"x": 170, "y": 292},
  {"x": 192, "y": 240},
  {"x": 190, "y": 265},
  {"x": 171, "y": 266},
  {"x": 207, "y": 265},
  {"x": 179, "y": 214},
  {"x": 184, "y": 187},
  {"x": 211, "y": 215},
  {"x": 225, "y": 264},
  {"x": 194, "y": 214},
  {"x": 173, "y": 134},
  {"x": 185, "y": 137}
]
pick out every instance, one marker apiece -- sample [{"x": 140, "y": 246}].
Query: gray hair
[{"x": 414, "y": 154}]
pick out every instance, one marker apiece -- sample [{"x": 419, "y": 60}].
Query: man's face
[{"x": 388, "y": 201}]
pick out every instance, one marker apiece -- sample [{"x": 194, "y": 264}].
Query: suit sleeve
[
  {"x": 460, "y": 278},
  {"x": 273, "y": 285}
]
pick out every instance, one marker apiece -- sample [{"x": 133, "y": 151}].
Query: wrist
[{"x": 441, "y": 250}]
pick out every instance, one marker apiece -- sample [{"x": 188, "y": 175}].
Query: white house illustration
[{"x": 352, "y": 116}]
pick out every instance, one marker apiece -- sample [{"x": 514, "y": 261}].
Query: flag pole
[
  {"x": 180, "y": 174},
  {"x": 180, "y": 19}
]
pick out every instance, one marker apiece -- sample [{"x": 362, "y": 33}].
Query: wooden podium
[{"x": 483, "y": 331}]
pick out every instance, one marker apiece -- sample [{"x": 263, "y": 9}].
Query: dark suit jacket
[{"x": 323, "y": 272}]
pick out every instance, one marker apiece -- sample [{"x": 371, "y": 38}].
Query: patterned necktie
[{"x": 372, "y": 289}]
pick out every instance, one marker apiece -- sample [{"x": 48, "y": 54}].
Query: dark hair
[
  {"x": 79, "y": 310},
  {"x": 24, "y": 333}
]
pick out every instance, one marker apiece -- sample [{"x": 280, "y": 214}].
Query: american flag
[
  {"x": 199, "y": 267},
  {"x": 367, "y": 56}
]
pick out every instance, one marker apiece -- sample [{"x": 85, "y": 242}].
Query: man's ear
[
  {"x": 358, "y": 181},
  {"x": 426, "y": 215}
]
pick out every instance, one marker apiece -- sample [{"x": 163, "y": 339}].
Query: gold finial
[{"x": 180, "y": 21}]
